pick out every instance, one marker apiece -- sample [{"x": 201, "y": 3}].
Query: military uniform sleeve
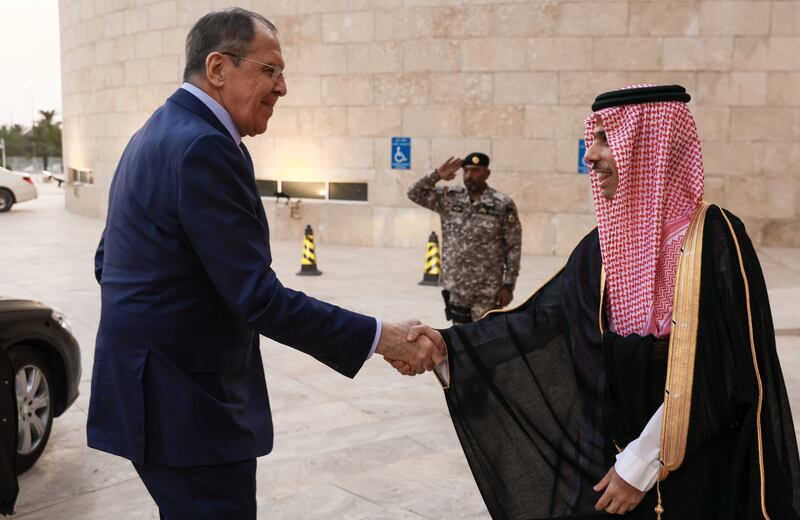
[
  {"x": 425, "y": 193},
  {"x": 512, "y": 236}
]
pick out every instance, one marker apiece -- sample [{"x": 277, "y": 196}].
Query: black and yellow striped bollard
[
  {"x": 433, "y": 262},
  {"x": 308, "y": 264}
]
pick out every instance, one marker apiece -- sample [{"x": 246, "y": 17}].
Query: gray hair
[{"x": 228, "y": 30}]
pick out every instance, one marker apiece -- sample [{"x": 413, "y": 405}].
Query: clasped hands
[{"x": 411, "y": 347}]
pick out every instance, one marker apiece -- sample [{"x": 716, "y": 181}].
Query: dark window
[
  {"x": 347, "y": 191},
  {"x": 267, "y": 188},
  {"x": 304, "y": 190}
]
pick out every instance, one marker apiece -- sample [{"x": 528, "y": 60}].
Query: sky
[{"x": 31, "y": 60}]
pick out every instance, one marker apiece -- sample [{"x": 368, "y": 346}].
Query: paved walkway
[{"x": 378, "y": 447}]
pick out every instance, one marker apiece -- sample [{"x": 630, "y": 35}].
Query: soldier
[{"x": 481, "y": 237}]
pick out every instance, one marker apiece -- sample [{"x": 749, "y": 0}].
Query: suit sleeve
[
  {"x": 216, "y": 208},
  {"x": 98, "y": 258}
]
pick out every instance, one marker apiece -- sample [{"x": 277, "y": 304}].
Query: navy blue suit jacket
[{"x": 186, "y": 283}]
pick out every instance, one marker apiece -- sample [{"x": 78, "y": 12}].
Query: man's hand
[
  {"x": 619, "y": 497},
  {"x": 415, "y": 357},
  {"x": 503, "y": 297},
  {"x": 420, "y": 333},
  {"x": 447, "y": 171}
]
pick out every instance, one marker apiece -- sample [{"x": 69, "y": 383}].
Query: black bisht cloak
[{"x": 539, "y": 395}]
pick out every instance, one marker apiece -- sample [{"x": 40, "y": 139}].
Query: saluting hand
[{"x": 447, "y": 171}]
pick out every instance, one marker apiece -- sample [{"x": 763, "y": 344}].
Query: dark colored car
[{"x": 46, "y": 360}]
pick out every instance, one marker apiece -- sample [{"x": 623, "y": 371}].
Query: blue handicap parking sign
[
  {"x": 401, "y": 153},
  {"x": 582, "y": 166}
]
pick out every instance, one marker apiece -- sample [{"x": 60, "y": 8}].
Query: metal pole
[{"x": 3, "y": 147}]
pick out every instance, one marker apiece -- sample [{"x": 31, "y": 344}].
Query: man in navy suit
[{"x": 184, "y": 267}]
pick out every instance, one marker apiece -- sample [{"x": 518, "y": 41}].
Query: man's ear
[
  {"x": 488, "y": 172},
  {"x": 215, "y": 69}
]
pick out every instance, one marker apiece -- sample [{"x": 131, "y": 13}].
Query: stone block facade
[{"x": 512, "y": 78}]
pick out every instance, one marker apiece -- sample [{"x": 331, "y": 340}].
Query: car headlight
[{"x": 60, "y": 318}]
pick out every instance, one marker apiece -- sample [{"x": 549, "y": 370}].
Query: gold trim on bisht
[
  {"x": 602, "y": 297},
  {"x": 755, "y": 368},
  {"x": 682, "y": 346}
]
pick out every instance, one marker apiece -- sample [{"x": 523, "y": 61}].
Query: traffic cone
[
  {"x": 308, "y": 264},
  {"x": 433, "y": 262}
]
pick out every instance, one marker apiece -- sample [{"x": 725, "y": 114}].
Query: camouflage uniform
[{"x": 481, "y": 242}]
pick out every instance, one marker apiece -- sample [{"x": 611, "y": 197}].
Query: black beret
[
  {"x": 632, "y": 96},
  {"x": 475, "y": 159}
]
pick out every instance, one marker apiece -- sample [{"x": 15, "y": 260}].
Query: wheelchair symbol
[{"x": 399, "y": 156}]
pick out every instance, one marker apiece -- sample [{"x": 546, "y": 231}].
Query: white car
[{"x": 15, "y": 187}]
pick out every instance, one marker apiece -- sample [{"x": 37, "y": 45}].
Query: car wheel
[
  {"x": 6, "y": 200},
  {"x": 34, "y": 389}
]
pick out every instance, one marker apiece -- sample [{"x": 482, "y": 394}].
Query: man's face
[
  {"x": 249, "y": 93},
  {"x": 475, "y": 178},
  {"x": 602, "y": 163}
]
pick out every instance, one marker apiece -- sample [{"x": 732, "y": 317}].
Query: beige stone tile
[
  {"x": 402, "y": 227},
  {"x": 358, "y": 5},
  {"x": 768, "y": 197},
  {"x": 403, "y": 24},
  {"x": 162, "y": 15},
  {"x": 785, "y": 18},
  {"x": 726, "y": 158},
  {"x": 273, "y": 7},
  {"x": 320, "y": 6},
  {"x": 783, "y": 88},
  {"x": 458, "y": 22},
  {"x": 731, "y": 88},
  {"x": 765, "y": 124},
  {"x": 560, "y": 54},
  {"x": 685, "y": 79},
  {"x": 313, "y": 59},
  {"x": 518, "y": 154},
  {"x": 374, "y": 121},
  {"x": 767, "y": 53},
  {"x": 532, "y": 19},
  {"x": 442, "y": 149},
  {"x": 402, "y": 89},
  {"x": 461, "y": 88},
  {"x": 299, "y": 156},
  {"x": 347, "y": 90},
  {"x": 348, "y": 27},
  {"x": 734, "y": 18},
  {"x": 663, "y": 19},
  {"x": 698, "y": 53},
  {"x": 432, "y": 121},
  {"x": 580, "y": 88},
  {"x": 538, "y": 233},
  {"x": 586, "y": 19},
  {"x": 495, "y": 54},
  {"x": 494, "y": 122},
  {"x": 298, "y": 30},
  {"x": 347, "y": 152},
  {"x": 148, "y": 45},
  {"x": 555, "y": 122},
  {"x": 431, "y": 56},
  {"x": 627, "y": 53},
  {"x": 322, "y": 121},
  {"x": 570, "y": 229},
  {"x": 712, "y": 123},
  {"x": 284, "y": 122},
  {"x": 525, "y": 88},
  {"x": 302, "y": 91},
  {"x": 370, "y": 58}
]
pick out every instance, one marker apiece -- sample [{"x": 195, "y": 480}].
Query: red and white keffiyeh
[{"x": 660, "y": 164}]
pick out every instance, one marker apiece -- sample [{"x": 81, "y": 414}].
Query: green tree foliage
[{"x": 43, "y": 140}]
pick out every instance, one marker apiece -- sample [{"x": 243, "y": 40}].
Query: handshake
[{"x": 411, "y": 347}]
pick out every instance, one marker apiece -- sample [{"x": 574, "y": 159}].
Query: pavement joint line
[
  {"x": 73, "y": 497},
  {"x": 385, "y": 506}
]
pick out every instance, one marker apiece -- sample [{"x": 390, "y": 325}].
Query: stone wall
[{"x": 512, "y": 79}]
